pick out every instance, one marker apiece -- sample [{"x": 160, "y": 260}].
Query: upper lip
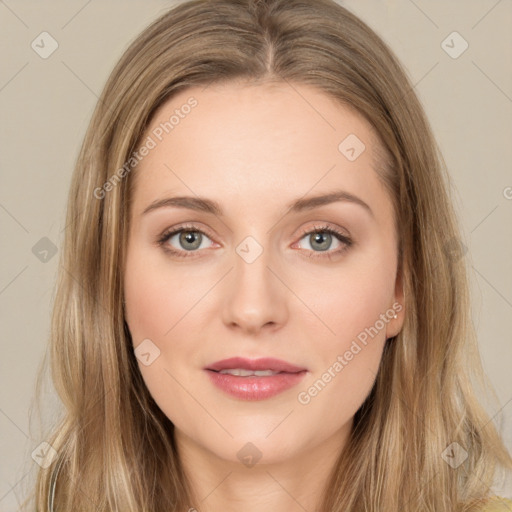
[{"x": 265, "y": 363}]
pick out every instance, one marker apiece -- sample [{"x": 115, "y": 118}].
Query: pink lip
[
  {"x": 264, "y": 363},
  {"x": 255, "y": 388}
]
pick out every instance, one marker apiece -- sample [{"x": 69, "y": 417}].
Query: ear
[{"x": 395, "y": 325}]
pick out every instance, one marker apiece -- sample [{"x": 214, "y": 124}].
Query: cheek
[
  {"x": 356, "y": 308},
  {"x": 147, "y": 305},
  {"x": 156, "y": 309},
  {"x": 350, "y": 303},
  {"x": 157, "y": 298}
]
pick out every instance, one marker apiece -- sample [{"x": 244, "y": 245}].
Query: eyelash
[{"x": 346, "y": 241}]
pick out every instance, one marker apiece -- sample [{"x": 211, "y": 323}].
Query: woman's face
[{"x": 247, "y": 276}]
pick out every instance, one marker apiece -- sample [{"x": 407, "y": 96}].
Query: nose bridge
[
  {"x": 255, "y": 297},
  {"x": 251, "y": 264}
]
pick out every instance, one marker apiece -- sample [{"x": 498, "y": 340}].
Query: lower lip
[{"x": 255, "y": 388}]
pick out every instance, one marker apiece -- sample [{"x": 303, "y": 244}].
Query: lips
[
  {"x": 254, "y": 379},
  {"x": 265, "y": 363}
]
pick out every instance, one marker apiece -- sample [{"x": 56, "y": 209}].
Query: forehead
[{"x": 257, "y": 142}]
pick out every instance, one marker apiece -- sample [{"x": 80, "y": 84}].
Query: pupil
[
  {"x": 188, "y": 237},
  {"x": 318, "y": 237}
]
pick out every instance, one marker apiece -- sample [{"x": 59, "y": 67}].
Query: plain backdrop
[{"x": 46, "y": 104}]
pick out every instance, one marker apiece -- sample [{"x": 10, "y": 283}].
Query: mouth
[
  {"x": 256, "y": 365},
  {"x": 241, "y": 372},
  {"x": 256, "y": 379}
]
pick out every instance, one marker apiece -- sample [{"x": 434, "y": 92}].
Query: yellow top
[{"x": 499, "y": 505}]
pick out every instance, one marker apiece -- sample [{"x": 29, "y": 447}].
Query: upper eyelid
[{"x": 175, "y": 230}]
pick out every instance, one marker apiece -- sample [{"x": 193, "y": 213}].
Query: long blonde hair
[{"x": 114, "y": 447}]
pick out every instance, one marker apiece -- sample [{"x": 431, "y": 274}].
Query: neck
[{"x": 294, "y": 484}]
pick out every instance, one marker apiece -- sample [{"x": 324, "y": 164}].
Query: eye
[
  {"x": 320, "y": 239},
  {"x": 188, "y": 238}
]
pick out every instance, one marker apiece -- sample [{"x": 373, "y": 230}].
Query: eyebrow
[{"x": 209, "y": 206}]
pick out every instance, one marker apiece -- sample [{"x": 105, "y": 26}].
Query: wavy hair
[{"x": 114, "y": 447}]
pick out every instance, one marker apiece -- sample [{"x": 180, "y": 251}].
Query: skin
[{"x": 254, "y": 149}]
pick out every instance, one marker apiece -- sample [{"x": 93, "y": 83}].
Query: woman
[{"x": 262, "y": 302}]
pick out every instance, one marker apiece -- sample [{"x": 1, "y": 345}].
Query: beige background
[{"x": 45, "y": 105}]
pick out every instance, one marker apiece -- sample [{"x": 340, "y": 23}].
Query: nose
[{"x": 255, "y": 295}]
